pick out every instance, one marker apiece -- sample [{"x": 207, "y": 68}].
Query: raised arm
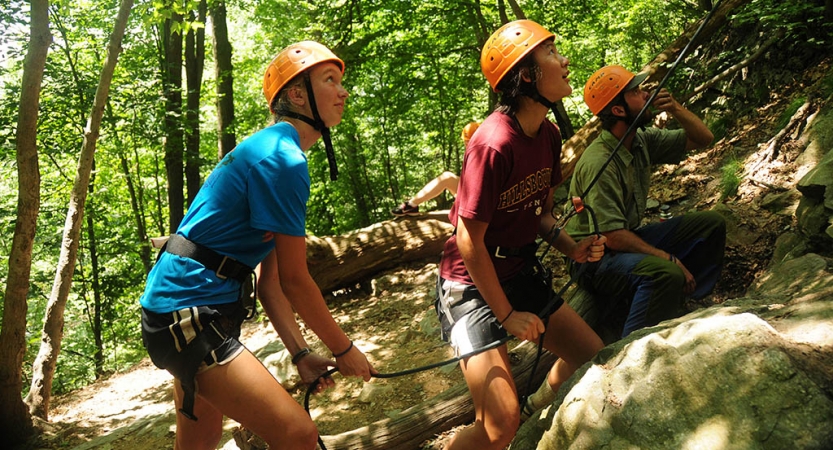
[{"x": 697, "y": 133}]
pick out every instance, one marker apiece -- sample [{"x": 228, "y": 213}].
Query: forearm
[
  {"x": 282, "y": 316},
  {"x": 306, "y": 299},
  {"x": 629, "y": 242},
  {"x": 697, "y": 133}
]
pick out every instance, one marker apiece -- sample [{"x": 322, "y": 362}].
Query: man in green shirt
[{"x": 653, "y": 268}]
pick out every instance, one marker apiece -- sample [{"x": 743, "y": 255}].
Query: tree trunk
[
  {"x": 43, "y": 369},
  {"x": 138, "y": 213},
  {"x": 340, "y": 261},
  {"x": 172, "y": 125},
  {"x": 95, "y": 269},
  {"x": 15, "y": 420},
  {"x": 225, "y": 80},
  {"x": 194, "y": 62}
]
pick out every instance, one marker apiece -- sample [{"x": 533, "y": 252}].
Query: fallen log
[
  {"x": 410, "y": 428},
  {"x": 413, "y": 426},
  {"x": 338, "y": 261}
]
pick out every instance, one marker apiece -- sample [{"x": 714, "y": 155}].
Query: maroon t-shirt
[{"x": 505, "y": 180}]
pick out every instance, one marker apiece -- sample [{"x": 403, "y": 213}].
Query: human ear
[
  {"x": 525, "y": 75},
  {"x": 618, "y": 110},
  {"x": 296, "y": 96}
]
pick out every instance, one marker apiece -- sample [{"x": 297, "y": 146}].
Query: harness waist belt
[
  {"x": 223, "y": 266},
  {"x": 525, "y": 252}
]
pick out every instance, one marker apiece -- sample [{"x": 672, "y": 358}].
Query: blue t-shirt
[{"x": 262, "y": 186}]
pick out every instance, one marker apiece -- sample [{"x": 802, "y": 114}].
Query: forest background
[{"x": 187, "y": 88}]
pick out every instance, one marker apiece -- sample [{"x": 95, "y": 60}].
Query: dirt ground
[
  {"x": 392, "y": 317},
  {"x": 396, "y": 327}
]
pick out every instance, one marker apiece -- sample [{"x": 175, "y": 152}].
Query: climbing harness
[{"x": 186, "y": 365}]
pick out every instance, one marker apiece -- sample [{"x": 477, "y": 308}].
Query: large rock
[
  {"x": 815, "y": 211},
  {"x": 753, "y": 373}
]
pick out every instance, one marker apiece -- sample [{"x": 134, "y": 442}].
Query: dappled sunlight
[
  {"x": 713, "y": 434},
  {"x": 701, "y": 384},
  {"x": 392, "y": 320},
  {"x": 808, "y": 331}
]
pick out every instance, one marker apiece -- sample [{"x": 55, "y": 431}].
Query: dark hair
[
  {"x": 281, "y": 103},
  {"x": 606, "y": 116},
  {"x": 513, "y": 86}
]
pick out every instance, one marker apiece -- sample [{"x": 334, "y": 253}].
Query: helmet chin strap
[
  {"x": 531, "y": 91},
  {"x": 318, "y": 125}
]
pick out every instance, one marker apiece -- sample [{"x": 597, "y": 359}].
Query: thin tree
[
  {"x": 15, "y": 421},
  {"x": 170, "y": 54},
  {"x": 43, "y": 369},
  {"x": 194, "y": 62},
  {"x": 225, "y": 80}
]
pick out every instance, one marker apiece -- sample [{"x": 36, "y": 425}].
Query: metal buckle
[
  {"x": 497, "y": 253},
  {"x": 219, "y": 270}
]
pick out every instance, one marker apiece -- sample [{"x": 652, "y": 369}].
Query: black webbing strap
[
  {"x": 525, "y": 252},
  {"x": 191, "y": 358},
  {"x": 223, "y": 266}
]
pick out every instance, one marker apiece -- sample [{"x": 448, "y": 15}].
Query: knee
[
  {"x": 672, "y": 278},
  {"x": 718, "y": 221},
  {"x": 500, "y": 436},
  {"x": 714, "y": 221},
  {"x": 302, "y": 433}
]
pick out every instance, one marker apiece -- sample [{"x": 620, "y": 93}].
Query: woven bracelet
[
  {"x": 301, "y": 353},
  {"x": 339, "y": 355},
  {"x": 507, "y": 317}
]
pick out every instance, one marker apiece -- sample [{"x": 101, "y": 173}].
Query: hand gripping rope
[{"x": 577, "y": 207}]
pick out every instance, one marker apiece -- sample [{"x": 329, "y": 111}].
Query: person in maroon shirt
[{"x": 510, "y": 170}]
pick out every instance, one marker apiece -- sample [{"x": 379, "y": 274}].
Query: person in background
[
  {"x": 251, "y": 210},
  {"x": 446, "y": 181},
  {"x": 490, "y": 281},
  {"x": 649, "y": 269}
]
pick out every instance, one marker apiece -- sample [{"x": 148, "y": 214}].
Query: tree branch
[{"x": 731, "y": 70}]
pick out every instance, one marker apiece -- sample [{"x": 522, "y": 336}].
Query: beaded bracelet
[
  {"x": 301, "y": 353},
  {"x": 339, "y": 355}
]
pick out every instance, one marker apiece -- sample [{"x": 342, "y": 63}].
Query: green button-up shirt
[{"x": 620, "y": 196}]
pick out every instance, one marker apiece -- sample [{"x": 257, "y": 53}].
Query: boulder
[{"x": 755, "y": 372}]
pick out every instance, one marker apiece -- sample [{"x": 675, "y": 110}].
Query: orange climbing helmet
[
  {"x": 507, "y": 46},
  {"x": 468, "y": 130},
  {"x": 606, "y": 83},
  {"x": 293, "y": 60}
]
